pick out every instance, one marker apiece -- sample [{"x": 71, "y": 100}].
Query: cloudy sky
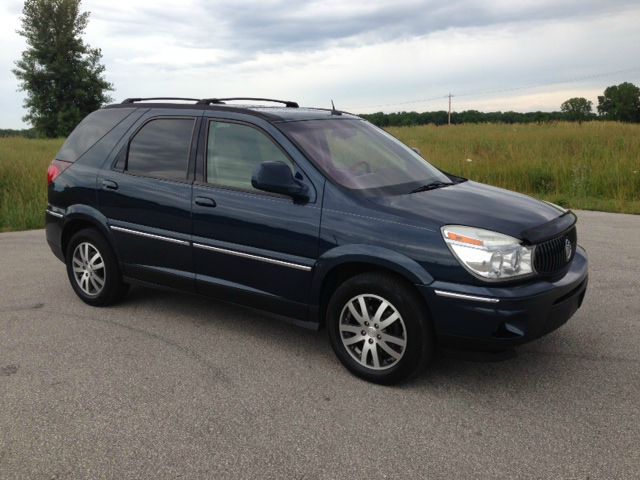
[{"x": 365, "y": 55}]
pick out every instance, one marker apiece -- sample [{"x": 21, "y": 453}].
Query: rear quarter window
[
  {"x": 161, "y": 148},
  {"x": 91, "y": 129}
]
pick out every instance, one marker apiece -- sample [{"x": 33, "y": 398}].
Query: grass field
[
  {"x": 593, "y": 166},
  {"x": 23, "y": 181}
]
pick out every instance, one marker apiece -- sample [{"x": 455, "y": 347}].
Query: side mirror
[{"x": 276, "y": 177}]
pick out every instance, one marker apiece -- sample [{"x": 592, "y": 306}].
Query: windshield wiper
[{"x": 430, "y": 186}]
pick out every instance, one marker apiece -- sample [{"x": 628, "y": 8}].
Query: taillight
[{"x": 55, "y": 169}]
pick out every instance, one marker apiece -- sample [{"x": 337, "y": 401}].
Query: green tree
[
  {"x": 61, "y": 75},
  {"x": 577, "y": 109},
  {"x": 620, "y": 102}
]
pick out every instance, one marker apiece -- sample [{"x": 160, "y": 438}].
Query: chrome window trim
[
  {"x": 236, "y": 253},
  {"x": 464, "y": 296},
  {"x": 149, "y": 235}
]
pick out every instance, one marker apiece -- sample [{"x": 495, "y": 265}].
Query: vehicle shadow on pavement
[
  {"x": 220, "y": 316},
  {"x": 525, "y": 370}
]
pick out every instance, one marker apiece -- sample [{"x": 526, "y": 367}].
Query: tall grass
[
  {"x": 23, "y": 181},
  {"x": 593, "y": 166}
]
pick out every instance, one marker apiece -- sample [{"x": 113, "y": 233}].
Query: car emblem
[{"x": 568, "y": 249}]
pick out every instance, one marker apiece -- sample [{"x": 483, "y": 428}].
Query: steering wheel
[{"x": 360, "y": 167}]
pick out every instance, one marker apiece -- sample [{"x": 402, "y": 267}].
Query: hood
[{"x": 478, "y": 205}]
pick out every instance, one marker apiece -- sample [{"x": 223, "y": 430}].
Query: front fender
[{"x": 368, "y": 254}]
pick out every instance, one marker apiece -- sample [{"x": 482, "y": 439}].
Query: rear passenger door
[
  {"x": 251, "y": 246},
  {"x": 146, "y": 196}
]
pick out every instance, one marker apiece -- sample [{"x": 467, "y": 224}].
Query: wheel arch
[
  {"x": 341, "y": 263},
  {"x": 78, "y": 217}
]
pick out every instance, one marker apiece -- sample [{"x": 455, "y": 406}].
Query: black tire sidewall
[
  {"x": 113, "y": 287},
  {"x": 419, "y": 348}
]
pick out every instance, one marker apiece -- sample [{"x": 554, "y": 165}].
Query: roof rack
[
  {"x": 133, "y": 100},
  {"x": 209, "y": 101}
]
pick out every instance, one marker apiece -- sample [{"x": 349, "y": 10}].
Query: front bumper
[{"x": 496, "y": 318}]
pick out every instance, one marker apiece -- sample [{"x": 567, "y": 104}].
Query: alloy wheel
[
  {"x": 88, "y": 269},
  {"x": 373, "y": 331}
]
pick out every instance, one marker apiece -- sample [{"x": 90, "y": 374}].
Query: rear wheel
[
  {"x": 93, "y": 270},
  {"x": 379, "y": 328}
]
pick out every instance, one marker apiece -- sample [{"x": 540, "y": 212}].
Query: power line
[
  {"x": 501, "y": 90},
  {"x": 439, "y": 97},
  {"x": 542, "y": 84}
]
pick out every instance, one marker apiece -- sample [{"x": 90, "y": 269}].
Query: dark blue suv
[{"x": 314, "y": 215}]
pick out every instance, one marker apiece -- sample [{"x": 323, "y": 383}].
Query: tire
[
  {"x": 93, "y": 269},
  {"x": 386, "y": 348}
]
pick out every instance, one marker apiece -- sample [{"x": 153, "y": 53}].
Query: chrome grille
[{"x": 551, "y": 256}]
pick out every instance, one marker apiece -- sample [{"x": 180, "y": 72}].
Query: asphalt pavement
[{"x": 166, "y": 385}]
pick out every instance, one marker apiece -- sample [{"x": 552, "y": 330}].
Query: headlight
[{"x": 488, "y": 255}]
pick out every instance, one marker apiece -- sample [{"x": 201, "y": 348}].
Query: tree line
[
  {"x": 618, "y": 103},
  {"x": 440, "y": 117},
  {"x": 12, "y": 132}
]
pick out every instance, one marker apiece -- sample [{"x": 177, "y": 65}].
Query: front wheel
[{"x": 379, "y": 328}]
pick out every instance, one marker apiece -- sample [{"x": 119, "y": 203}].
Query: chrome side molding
[
  {"x": 464, "y": 296},
  {"x": 54, "y": 214},
  {"x": 149, "y": 235},
  {"x": 236, "y": 253}
]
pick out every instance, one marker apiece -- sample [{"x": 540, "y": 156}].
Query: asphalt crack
[
  {"x": 216, "y": 372},
  {"x": 20, "y": 308},
  {"x": 9, "y": 370}
]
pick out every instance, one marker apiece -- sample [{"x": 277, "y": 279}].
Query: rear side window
[
  {"x": 235, "y": 151},
  {"x": 161, "y": 148},
  {"x": 94, "y": 126}
]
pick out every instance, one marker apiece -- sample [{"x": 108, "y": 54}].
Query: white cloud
[{"x": 367, "y": 56}]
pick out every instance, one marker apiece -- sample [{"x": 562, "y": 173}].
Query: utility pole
[{"x": 449, "y": 118}]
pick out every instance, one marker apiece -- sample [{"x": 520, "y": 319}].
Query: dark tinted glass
[
  {"x": 161, "y": 148},
  {"x": 94, "y": 126},
  {"x": 235, "y": 152},
  {"x": 358, "y": 155},
  {"x": 121, "y": 158}
]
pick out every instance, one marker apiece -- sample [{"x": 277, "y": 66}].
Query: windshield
[{"x": 357, "y": 155}]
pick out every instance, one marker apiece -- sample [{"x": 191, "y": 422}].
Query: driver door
[{"x": 251, "y": 246}]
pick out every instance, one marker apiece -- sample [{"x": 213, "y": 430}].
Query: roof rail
[
  {"x": 134, "y": 100},
  {"x": 208, "y": 101}
]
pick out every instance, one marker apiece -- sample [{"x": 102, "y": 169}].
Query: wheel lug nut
[
  {"x": 366, "y": 323},
  {"x": 379, "y": 337},
  {"x": 371, "y": 340},
  {"x": 375, "y": 326},
  {"x": 363, "y": 332}
]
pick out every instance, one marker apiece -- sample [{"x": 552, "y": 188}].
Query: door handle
[
  {"x": 109, "y": 185},
  {"x": 205, "y": 201}
]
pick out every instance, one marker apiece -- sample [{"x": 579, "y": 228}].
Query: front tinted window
[
  {"x": 94, "y": 126},
  {"x": 235, "y": 151},
  {"x": 161, "y": 148},
  {"x": 357, "y": 155}
]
